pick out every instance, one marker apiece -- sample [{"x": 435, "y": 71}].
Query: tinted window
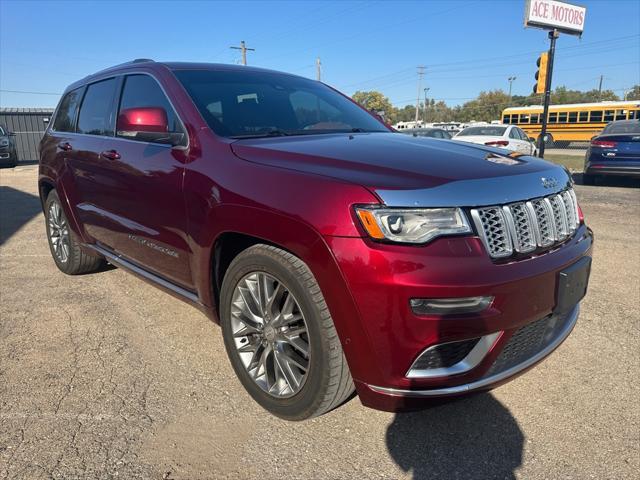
[
  {"x": 144, "y": 91},
  {"x": 584, "y": 116},
  {"x": 514, "y": 118},
  {"x": 263, "y": 104},
  {"x": 506, "y": 119},
  {"x": 553, "y": 117},
  {"x": 514, "y": 134},
  {"x": 489, "y": 131},
  {"x": 524, "y": 118},
  {"x": 596, "y": 116},
  {"x": 96, "y": 112},
  {"x": 562, "y": 117},
  {"x": 608, "y": 115},
  {"x": 66, "y": 116},
  {"x": 623, "y": 127},
  {"x": 573, "y": 117},
  {"x": 523, "y": 135},
  {"x": 535, "y": 118},
  {"x": 635, "y": 114},
  {"x": 621, "y": 114}
]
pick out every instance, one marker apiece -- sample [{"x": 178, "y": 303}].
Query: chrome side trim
[
  {"x": 473, "y": 358},
  {"x": 126, "y": 264},
  {"x": 487, "y": 381}
]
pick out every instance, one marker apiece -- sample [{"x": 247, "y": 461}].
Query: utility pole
[
  {"x": 600, "y": 88},
  {"x": 425, "y": 103},
  {"x": 420, "y": 75},
  {"x": 553, "y": 35},
  {"x": 318, "y": 69},
  {"x": 511, "y": 80},
  {"x": 244, "y": 49}
]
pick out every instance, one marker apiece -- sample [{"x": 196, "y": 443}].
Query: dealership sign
[{"x": 552, "y": 14}]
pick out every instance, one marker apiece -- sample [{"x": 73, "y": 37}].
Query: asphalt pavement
[{"x": 103, "y": 376}]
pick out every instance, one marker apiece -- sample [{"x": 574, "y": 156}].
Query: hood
[{"x": 412, "y": 171}]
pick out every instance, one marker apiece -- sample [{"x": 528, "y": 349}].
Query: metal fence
[{"x": 28, "y": 124}]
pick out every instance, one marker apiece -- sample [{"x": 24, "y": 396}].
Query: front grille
[
  {"x": 444, "y": 355},
  {"x": 527, "y": 341},
  {"x": 525, "y": 226}
]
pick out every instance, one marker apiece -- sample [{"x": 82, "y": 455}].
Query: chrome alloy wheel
[
  {"x": 270, "y": 334},
  {"x": 58, "y": 232}
]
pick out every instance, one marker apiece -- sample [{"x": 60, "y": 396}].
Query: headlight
[
  {"x": 4, "y": 143},
  {"x": 419, "y": 225}
]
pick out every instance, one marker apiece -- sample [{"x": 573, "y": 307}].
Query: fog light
[{"x": 449, "y": 306}]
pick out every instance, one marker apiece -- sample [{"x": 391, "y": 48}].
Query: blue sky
[{"x": 467, "y": 46}]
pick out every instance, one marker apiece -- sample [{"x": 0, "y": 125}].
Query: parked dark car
[
  {"x": 335, "y": 253},
  {"x": 428, "y": 132},
  {"x": 8, "y": 153},
  {"x": 615, "y": 151}
]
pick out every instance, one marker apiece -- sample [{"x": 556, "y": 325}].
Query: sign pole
[{"x": 553, "y": 35}]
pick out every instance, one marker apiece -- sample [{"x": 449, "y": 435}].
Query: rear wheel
[
  {"x": 64, "y": 246},
  {"x": 279, "y": 335}
]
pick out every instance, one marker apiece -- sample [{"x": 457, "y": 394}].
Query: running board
[{"x": 127, "y": 265}]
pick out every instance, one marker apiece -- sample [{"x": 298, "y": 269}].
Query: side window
[
  {"x": 523, "y": 136},
  {"x": 506, "y": 119},
  {"x": 514, "y": 118},
  {"x": 66, "y": 116},
  {"x": 608, "y": 115},
  {"x": 535, "y": 118},
  {"x": 514, "y": 134},
  {"x": 553, "y": 117},
  {"x": 524, "y": 118},
  {"x": 596, "y": 116},
  {"x": 96, "y": 112},
  {"x": 621, "y": 114},
  {"x": 144, "y": 91},
  {"x": 583, "y": 117},
  {"x": 562, "y": 117},
  {"x": 573, "y": 117}
]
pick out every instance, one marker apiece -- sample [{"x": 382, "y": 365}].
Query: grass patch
[{"x": 572, "y": 162}]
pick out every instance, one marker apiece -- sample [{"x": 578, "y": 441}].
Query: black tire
[
  {"x": 75, "y": 261},
  {"x": 328, "y": 383}
]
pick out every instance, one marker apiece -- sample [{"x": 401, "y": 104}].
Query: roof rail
[{"x": 142, "y": 60}]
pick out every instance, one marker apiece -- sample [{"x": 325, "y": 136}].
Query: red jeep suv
[{"x": 336, "y": 254}]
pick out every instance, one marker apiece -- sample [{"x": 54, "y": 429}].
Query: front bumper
[{"x": 382, "y": 278}]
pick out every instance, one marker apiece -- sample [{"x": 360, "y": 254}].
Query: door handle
[
  {"x": 110, "y": 154},
  {"x": 65, "y": 146}
]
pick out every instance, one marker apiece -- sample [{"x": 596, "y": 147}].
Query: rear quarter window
[{"x": 66, "y": 117}]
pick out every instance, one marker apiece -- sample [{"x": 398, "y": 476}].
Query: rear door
[{"x": 136, "y": 205}]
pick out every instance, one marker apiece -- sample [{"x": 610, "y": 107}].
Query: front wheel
[{"x": 279, "y": 335}]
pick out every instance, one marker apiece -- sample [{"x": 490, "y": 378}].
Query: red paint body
[{"x": 299, "y": 193}]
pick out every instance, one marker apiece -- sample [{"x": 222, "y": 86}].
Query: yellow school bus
[{"x": 571, "y": 123}]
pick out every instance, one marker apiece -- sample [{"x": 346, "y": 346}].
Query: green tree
[
  {"x": 634, "y": 93},
  {"x": 488, "y": 106},
  {"x": 376, "y": 102}
]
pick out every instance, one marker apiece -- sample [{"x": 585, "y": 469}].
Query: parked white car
[{"x": 509, "y": 137}]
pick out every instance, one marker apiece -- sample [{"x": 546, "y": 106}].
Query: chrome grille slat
[{"x": 525, "y": 226}]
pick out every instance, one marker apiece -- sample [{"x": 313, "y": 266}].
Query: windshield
[
  {"x": 626, "y": 127},
  {"x": 249, "y": 104},
  {"x": 487, "y": 131}
]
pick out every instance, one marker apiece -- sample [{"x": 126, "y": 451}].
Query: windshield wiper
[{"x": 271, "y": 133}]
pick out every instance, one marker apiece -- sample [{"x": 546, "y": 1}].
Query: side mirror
[{"x": 147, "y": 124}]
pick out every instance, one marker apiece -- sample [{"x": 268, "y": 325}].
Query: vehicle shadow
[
  {"x": 471, "y": 438},
  {"x": 612, "y": 181},
  {"x": 16, "y": 209}
]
